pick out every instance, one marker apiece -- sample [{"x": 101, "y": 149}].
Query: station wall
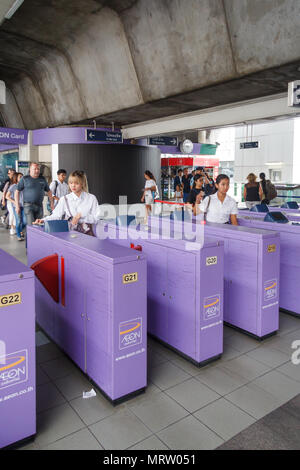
[
  {"x": 275, "y": 152},
  {"x": 113, "y": 170}
]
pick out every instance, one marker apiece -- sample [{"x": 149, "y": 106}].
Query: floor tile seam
[
  {"x": 191, "y": 414},
  {"x": 210, "y": 389},
  {"x": 222, "y": 395},
  {"x": 68, "y": 435},
  {"x": 129, "y": 448},
  {"x": 174, "y": 385},
  {"x": 268, "y": 365},
  {"x": 283, "y": 334},
  {"x": 181, "y": 367},
  {"x": 224, "y": 439},
  {"x": 96, "y": 422},
  {"x": 288, "y": 376},
  {"x": 241, "y": 409},
  {"x": 60, "y": 391},
  {"x": 271, "y": 369},
  {"x": 261, "y": 389},
  {"x": 131, "y": 412},
  {"x": 184, "y": 381}
]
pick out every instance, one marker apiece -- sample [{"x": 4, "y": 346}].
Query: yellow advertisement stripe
[
  {"x": 21, "y": 359},
  {"x": 131, "y": 329},
  {"x": 210, "y": 305},
  {"x": 271, "y": 287}
]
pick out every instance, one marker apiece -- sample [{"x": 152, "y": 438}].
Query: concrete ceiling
[{"x": 128, "y": 61}]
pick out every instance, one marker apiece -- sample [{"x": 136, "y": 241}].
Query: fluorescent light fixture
[
  {"x": 13, "y": 9},
  {"x": 275, "y": 163}
]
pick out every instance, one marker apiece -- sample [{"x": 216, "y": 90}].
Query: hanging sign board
[
  {"x": 162, "y": 140},
  {"x": 294, "y": 94},
  {"x": 249, "y": 145},
  {"x": 93, "y": 135}
]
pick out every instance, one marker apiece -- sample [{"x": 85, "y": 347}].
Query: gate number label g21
[
  {"x": 129, "y": 278},
  {"x": 10, "y": 299}
]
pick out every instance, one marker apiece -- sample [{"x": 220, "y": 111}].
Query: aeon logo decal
[
  {"x": 270, "y": 289},
  {"x": 13, "y": 369},
  {"x": 211, "y": 307},
  {"x": 130, "y": 333}
]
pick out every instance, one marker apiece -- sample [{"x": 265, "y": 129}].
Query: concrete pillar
[
  {"x": 202, "y": 137},
  {"x": 29, "y": 152}
]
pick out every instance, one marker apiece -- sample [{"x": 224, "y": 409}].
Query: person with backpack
[
  {"x": 268, "y": 189},
  {"x": 59, "y": 187}
]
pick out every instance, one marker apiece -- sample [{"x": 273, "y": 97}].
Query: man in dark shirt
[
  {"x": 178, "y": 180},
  {"x": 34, "y": 187},
  {"x": 186, "y": 184}
]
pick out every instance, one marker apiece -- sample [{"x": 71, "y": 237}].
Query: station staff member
[
  {"x": 78, "y": 207},
  {"x": 220, "y": 207}
]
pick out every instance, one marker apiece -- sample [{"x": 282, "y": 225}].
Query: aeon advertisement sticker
[
  {"x": 130, "y": 333},
  {"x": 270, "y": 289},
  {"x": 211, "y": 307},
  {"x": 13, "y": 369}
]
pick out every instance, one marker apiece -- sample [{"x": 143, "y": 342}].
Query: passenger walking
[
  {"x": 34, "y": 187},
  {"x": 59, "y": 187},
  {"x": 253, "y": 192},
  {"x": 4, "y": 188},
  {"x": 186, "y": 184},
  {"x": 150, "y": 193},
  {"x": 220, "y": 207},
  {"x": 197, "y": 193},
  {"x": 268, "y": 189},
  {"x": 78, "y": 207},
  {"x": 178, "y": 179},
  {"x": 20, "y": 218},
  {"x": 9, "y": 203}
]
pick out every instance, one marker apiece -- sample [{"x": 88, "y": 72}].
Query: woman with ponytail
[
  {"x": 220, "y": 207},
  {"x": 78, "y": 207},
  {"x": 150, "y": 193}
]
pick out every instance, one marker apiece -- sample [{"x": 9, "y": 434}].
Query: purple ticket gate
[
  {"x": 289, "y": 260},
  {"x": 91, "y": 300},
  {"x": 185, "y": 292},
  {"x": 17, "y": 352},
  {"x": 251, "y": 273}
]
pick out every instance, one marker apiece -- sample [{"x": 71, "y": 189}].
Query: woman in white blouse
[
  {"x": 79, "y": 207},
  {"x": 220, "y": 207},
  {"x": 150, "y": 193}
]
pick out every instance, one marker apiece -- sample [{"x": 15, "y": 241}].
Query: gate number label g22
[{"x": 10, "y": 299}]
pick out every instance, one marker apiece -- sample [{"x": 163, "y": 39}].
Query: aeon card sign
[
  {"x": 13, "y": 368},
  {"x": 130, "y": 333},
  {"x": 211, "y": 307},
  {"x": 270, "y": 289}
]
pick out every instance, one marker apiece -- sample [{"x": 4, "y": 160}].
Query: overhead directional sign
[
  {"x": 93, "y": 135},
  {"x": 294, "y": 94},
  {"x": 249, "y": 145},
  {"x": 161, "y": 140}
]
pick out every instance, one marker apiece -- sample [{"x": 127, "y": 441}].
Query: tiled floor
[{"x": 184, "y": 407}]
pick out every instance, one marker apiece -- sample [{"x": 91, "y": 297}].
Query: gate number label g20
[
  {"x": 129, "y": 278},
  {"x": 10, "y": 299},
  {"x": 211, "y": 260}
]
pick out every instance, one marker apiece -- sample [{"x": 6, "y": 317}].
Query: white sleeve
[
  {"x": 204, "y": 204},
  {"x": 52, "y": 187},
  {"x": 91, "y": 216},
  {"x": 59, "y": 211},
  {"x": 234, "y": 208}
]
